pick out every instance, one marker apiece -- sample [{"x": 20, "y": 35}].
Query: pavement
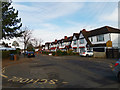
[
  {"x": 60, "y": 72},
  {"x": 8, "y": 62}
]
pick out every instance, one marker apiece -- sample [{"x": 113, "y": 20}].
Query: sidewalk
[{"x": 7, "y": 62}]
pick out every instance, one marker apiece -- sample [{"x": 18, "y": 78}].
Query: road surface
[{"x": 60, "y": 72}]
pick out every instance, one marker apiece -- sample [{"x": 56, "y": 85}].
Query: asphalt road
[{"x": 60, "y": 72}]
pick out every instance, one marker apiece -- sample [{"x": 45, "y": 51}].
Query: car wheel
[
  {"x": 118, "y": 77},
  {"x": 87, "y": 55}
]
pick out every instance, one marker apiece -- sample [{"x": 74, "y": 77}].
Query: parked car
[
  {"x": 30, "y": 54},
  {"x": 86, "y": 53},
  {"x": 116, "y": 70},
  {"x": 25, "y": 53}
]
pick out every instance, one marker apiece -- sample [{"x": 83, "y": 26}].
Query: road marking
[
  {"x": 3, "y": 70},
  {"x": 4, "y": 76},
  {"x": 36, "y": 81},
  {"x": 26, "y": 80},
  {"x": 11, "y": 78},
  {"x": 64, "y": 82},
  {"x": 53, "y": 81},
  {"x": 111, "y": 65},
  {"x": 30, "y": 81},
  {"x": 21, "y": 80}
]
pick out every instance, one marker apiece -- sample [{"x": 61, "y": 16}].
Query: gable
[
  {"x": 81, "y": 36},
  {"x": 74, "y": 38}
]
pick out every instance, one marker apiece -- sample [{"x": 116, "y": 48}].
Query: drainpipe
[{"x": 110, "y": 36}]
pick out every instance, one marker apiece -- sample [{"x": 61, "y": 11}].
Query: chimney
[
  {"x": 55, "y": 40},
  {"x": 83, "y": 30},
  {"x": 65, "y": 37}
]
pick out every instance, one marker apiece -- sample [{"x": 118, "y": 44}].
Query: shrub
[
  {"x": 64, "y": 53},
  {"x": 45, "y": 52},
  {"x": 75, "y": 53},
  {"x": 13, "y": 51},
  {"x": 17, "y": 50},
  {"x": 53, "y": 53},
  {"x": 59, "y": 53},
  {"x": 70, "y": 52},
  {"x": 5, "y": 54}
]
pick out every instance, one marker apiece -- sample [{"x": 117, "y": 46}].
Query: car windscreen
[{"x": 89, "y": 51}]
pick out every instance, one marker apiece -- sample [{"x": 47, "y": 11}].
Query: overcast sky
[{"x": 54, "y": 20}]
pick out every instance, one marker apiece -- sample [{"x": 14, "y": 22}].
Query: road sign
[{"x": 109, "y": 43}]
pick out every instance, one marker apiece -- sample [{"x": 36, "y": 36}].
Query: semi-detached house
[
  {"x": 65, "y": 44},
  {"x": 75, "y": 43},
  {"x": 53, "y": 45},
  {"x": 102, "y": 41},
  {"x": 47, "y": 46},
  {"x": 98, "y": 39}
]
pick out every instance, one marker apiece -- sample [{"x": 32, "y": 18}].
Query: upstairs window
[
  {"x": 100, "y": 38},
  {"x": 81, "y": 41},
  {"x": 75, "y": 42},
  {"x": 91, "y": 39}
]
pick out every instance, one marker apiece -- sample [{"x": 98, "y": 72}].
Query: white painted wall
[
  {"x": 61, "y": 45},
  {"x": 72, "y": 44},
  {"x": 81, "y": 35},
  {"x": 46, "y": 47},
  {"x": 64, "y": 44},
  {"x": 114, "y": 39},
  {"x": 106, "y": 38},
  {"x": 43, "y": 48},
  {"x": 50, "y": 46},
  {"x": 118, "y": 40},
  {"x": 82, "y": 45},
  {"x": 54, "y": 45}
]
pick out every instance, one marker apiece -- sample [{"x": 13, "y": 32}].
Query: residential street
[{"x": 61, "y": 72}]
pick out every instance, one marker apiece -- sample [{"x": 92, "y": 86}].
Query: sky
[{"x": 54, "y": 20}]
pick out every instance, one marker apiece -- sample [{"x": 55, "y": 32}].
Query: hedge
[
  {"x": 60, "y": 53},
  {"x": 5, "y": 54}
]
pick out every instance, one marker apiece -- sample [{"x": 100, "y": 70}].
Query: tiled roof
[
  {"x": 47, "y": 42},
  {"x": 99, "y": 31},
  {"x": 43, "y": 45},
  {"x": 103, "y": 30},
  {"x": 53, "y": 43},
  {"x": 69, "y": 39},
  {"x": 76, "y": 35}
]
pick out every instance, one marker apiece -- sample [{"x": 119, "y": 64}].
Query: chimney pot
[
  {"x": 55, "y": 40},
  {"x": 65, "y": 37},
  {"x": 84, "y": 30}
]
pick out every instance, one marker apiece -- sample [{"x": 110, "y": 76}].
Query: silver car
[{"x": 116, "y": 69}]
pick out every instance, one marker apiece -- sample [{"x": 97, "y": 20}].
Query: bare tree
[
  {"x": 40, "y": 42},
  {"x": 26, "y": 36},
  {"x": 36, "y": 42}
]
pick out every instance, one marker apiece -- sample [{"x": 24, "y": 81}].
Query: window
[
  {"x": 75, "y": 50},
  {"x": 89, "y": 51},
  {"x": 62, "y": 44},
  {"x": 75, "y": 42},
  {"x": 99, "y": 49},
  {"x": 81, "y": 41},
  {"x": 100, "y": 38},
  {"x": 91, "y": 39},
  {"x": 82, "y": 50}
]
